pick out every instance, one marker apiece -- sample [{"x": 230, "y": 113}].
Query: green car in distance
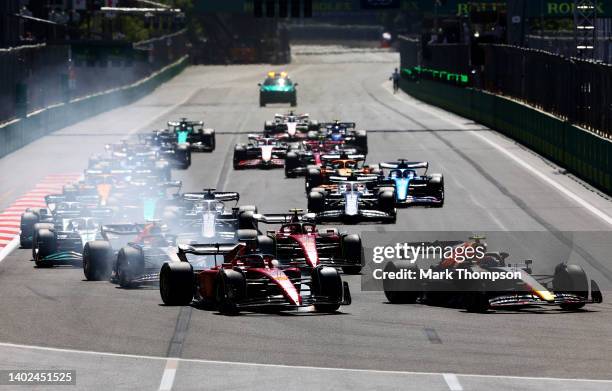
[{"x": 277, "y": 88}]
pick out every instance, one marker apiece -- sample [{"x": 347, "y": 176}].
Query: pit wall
[
  {"x": 20, "y": 132},
  {"x": 581, "y": 152}
]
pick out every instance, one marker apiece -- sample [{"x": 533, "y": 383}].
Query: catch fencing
[{"x": 573, "y": 89}]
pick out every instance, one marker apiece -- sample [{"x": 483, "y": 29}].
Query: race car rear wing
[
  {"x": 211, "y": 193},
  {"x": 401, "y": 163},
  {"x": 295, "y": 215},
  {"x": 53, "y": 199},
  {"x": 214, "y": 249},
  {"x": 336, "y": 156},
  {"x": 358, "y": 178},
  {"x": 347, "y": 125},
  {"x": 121, "y": 229}
]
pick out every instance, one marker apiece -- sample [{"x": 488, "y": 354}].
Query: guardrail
[{"x": 19, "y": 132}]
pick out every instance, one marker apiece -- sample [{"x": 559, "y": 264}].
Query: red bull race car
[{"x": 472, "y": 277}]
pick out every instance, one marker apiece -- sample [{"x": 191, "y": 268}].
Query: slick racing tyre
[
  {"x": 326, "y": 287},
  {"x": 246, "y": 218},
  {"x": 183, "y": 157},
  {"x": 97, "y": 259},
  {"x": 316, "y": 202},
  {"x": 353, "y": 253},
  {"x": 573, "y": 280},
  {"x": 45, "y": 244},
  {"x": 239, "y": 155},
  {"x": 476, "y": 299},
  {"x": 176, "y": 283},
  {"x": 401, "y": 291},
  {"x": 361, "y": 141},
  {"x": 313, "y": 178},
  {"x": 386, "y": 203},
  {"x": 436, "y": 184},
  {"x": 291, "y": 163},
  {"x": 231, "y": 289},
  {"x": 130, "y": 266},
  {"x": 265, "y": 245},
  {"x": 28, "y": 219}
]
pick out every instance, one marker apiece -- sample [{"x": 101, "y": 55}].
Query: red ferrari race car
[
  {"x": 480, "y": 280},
  {"x": 260, "y": 152},
  {"x": 247, "y": 279},
  {"x": 299, "y": 241}
]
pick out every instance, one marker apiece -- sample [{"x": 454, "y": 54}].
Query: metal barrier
[{"x": 572, "y": 89}]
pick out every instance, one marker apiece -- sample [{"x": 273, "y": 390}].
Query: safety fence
[
  {"x": 572, "y": 89},
  {"x": 578, "y": 150},
  {"x": 19, "y": 132}
]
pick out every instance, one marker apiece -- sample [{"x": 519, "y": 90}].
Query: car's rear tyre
[
  {"x": 476, "y": 299},
  {"x": 231, "y": 289},
  {"x": 130, "y": 266},
  {"x": 291, "y": 163},
  {"x": 97, "y": 260},
  {"x": 316, "y": 202},
  {"x": 239, "y": 155},
  {"x": 401, "y": 291},
  {"x": 571, "y": 279},
  {"x": 176, "y": 283},
  {"x": 28, "y": 219},
  {"x": 353, "y": 253},
  {"x": 44, "y": 245},
  {"x": 313, "y": 178},
  {"x": 327, "y": 285}
]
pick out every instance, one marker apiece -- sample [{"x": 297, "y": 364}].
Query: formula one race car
[
  {"x": 298, "y": 241},
  {"x": 412, "y": 187},
  {"x": 193, "y": 133},
  {"x": 70, "y": 203},
  {"x": 61, "y": 242},
  {"x": 291, "y": 126},
  {"x": 345, "y": 131},
  {"x": 277, "y": 88},
  {"x": 204, "y": 217},
  {"x": 128, "y": 254},
  {"x": 167, "y": 147},
  {"x": 471, "y": 284},
  {"x": 309, "y": 155},
  {"x": 260, "y": 152},
  {"x": 340, "y": 164},
  {"x": 246, "y": 279},
  {"x": 354, "y": 199}
]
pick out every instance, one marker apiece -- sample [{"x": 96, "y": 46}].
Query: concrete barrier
[{"x": 17, "y": 133}]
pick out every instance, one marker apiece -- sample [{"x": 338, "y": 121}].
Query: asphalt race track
[{"x": 120, "y": 339}]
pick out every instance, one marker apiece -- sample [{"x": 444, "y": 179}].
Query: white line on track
[
  {"x": 304, "y": 367},
  {"x": 12, "y": 245},
  {"x": 167, "y": 380},
  {"x": 452, "y": 382},
  {"x": 437, "y": 112}
]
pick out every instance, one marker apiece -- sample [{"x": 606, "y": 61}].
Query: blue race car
[{"x": 412, "y": 183}]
